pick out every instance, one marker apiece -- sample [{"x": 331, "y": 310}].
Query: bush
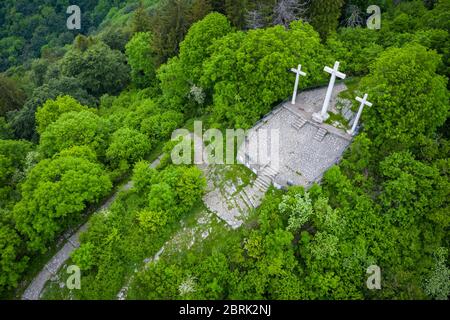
[
  {"x": 151, "y": 220},
  {"x": 143, "y": 176}
]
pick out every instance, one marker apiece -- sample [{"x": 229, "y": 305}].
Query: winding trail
[{"x": 34, "y": 290}]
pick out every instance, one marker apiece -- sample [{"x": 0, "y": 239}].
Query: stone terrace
[{"x": 306, "y": 149}]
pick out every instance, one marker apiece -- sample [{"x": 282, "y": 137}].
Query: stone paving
[
  {"x": 232, "y": 206},
  {"x": 306, "y": 149}
]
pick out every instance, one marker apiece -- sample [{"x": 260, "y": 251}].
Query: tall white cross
[
  {"x": 298, "y": 73},
  {"x": 364, "y": 103},
  {"x": 334, "y": 73}
]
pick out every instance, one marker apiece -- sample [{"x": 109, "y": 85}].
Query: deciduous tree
[{"x": 54, "y": 195}]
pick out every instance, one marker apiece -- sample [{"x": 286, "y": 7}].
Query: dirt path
[{"x": 35, "y": 288}]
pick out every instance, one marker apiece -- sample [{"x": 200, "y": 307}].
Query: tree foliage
[
  {"x": 75, "y": 129},
  {"x": 409, "y": 98},
  {"x": 141, "y": 59},
  {"x": 12, "y": 97},
  {"x": 53, "y": 109},
  {"x": 12, "y": 263},
  {"x": 127, "y": 145},
  {"x": 54, "y": 195},
  {"x": 99, "y": 69},
  {"x": 324, "y": 16},
  {"x": 23, "y": 121},
  {"x": 182, "y": 73},
  {"x": 249, "y": 72},
  {"x": 28, "y": 27}
]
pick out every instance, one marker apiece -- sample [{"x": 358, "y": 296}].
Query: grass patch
[
  {"x": 352, "y": 84},
  {"x": 337, "y": 118}
]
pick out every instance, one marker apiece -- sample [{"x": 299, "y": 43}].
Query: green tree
[
  {"x": 437, "y": 285},
  {"x": 151, "y": 220},
  {"x": 75, "y": 129},
  {"x": 127, "y": 145},
  {"x": 10, "y": 48},
  {"x": 12, "y": 97},
  {"x": 174, "y": 84},
  {"x": 324, "y": 16},
  {"x": 141, "y": 59},
  {"x": 13, "y": 154},
  {"x": 169, "y": 26},
  {"x": 356, "y": 48},
  {"x": 236, "y": 11},
  {"x": 54, "y": 195},
  {"x": 53, "y": 109},
  {"x": 23, "y": 121},
  {"x": 99, "y": 69},
  {"x": 143, "y": 176},
  {"x": 181, "y": 74},
  {"x": 413, "y": 190},
  {"x": 141, "y": 21},
  {"x": 194, "y": 48},
  {"x": 298, "y": 208},
  {"x": 83, "y": 256},
  {"x": 161, "y": 126},
  {"x": 12, "y": 261},
  {"x": 160, "y": 281},
  {"x": 83, "y": 152},
  {"x": 409, "y": 98},
  {"x": 248, "y": 72},
  {"x": 199, "y": 9},
  {"x": 5, "y": 129}
]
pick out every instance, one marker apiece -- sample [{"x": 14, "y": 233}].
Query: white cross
[
  {"x": 298, "y": 73},
  {"x": 364, "y": 103},
  {"x": 334, "y": 73}
]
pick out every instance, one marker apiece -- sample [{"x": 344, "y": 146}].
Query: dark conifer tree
[
  {"x": 324, "y": 15},
  {"x": 141, "y": 20}
]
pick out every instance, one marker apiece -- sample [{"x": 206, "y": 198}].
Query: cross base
[
  {"x": 319, "y": 118},
  {"x": 351, "y": 132}
]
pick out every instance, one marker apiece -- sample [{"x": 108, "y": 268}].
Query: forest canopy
[{"x": 86, "y": 118}]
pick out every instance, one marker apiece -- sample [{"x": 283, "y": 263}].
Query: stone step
[
  {"x": 253, "y": 198},
  {"x": 258, "y": 185},
  {"x": 241, "y": 204},
  {"x": 321, "y": 133},
  {"x": 266, "y": 181},
  {"x": 296, "y": 126},
  {"x": 261, "y": 185},
  {"x": 248, "y": 206},
  {"x": 348, "y": 115},
  {"x": 299, "y": 123},
  {"x": 263, "y": 181},
  {"x": 270, "y": 172},
  {"x": 247, "y": 199}
]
